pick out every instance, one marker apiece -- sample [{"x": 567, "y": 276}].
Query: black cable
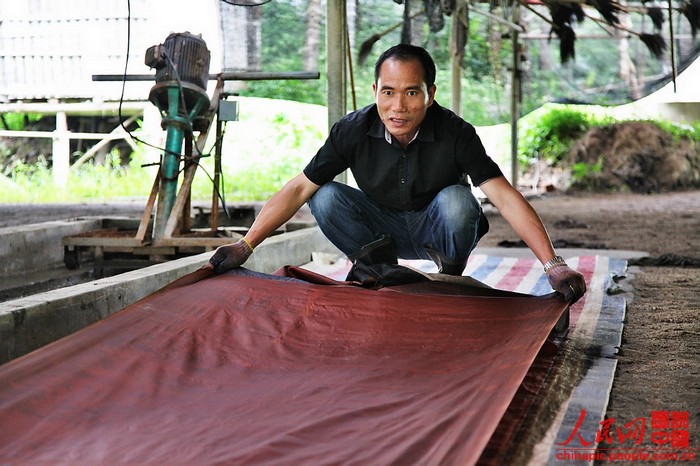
[
  {"x": 126, "y": 65},
  {"x": 177, "y": 78},
  {"x": 230, "y": 2},
  {"x": 179, "y": 83},
  {"x": 220, "y": 190}
]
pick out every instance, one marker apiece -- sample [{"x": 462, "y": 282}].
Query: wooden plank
[
  {"x": 105, "y": 241},
  {"x": 146, "y": 217},
  {"x": 93, "y": 150},
  {"x": 196, "y": 241}
]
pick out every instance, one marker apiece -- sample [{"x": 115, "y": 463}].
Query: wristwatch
[{"x": 553, "y": 262}]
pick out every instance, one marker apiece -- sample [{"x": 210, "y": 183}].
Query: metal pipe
[
  {"x": 171, "y": 163},
  {"x": 227, "y": 76}
]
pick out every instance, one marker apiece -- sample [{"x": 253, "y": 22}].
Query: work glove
[
  {"x": 567, "y": 282},
  {"x": 231, "y": 256}
]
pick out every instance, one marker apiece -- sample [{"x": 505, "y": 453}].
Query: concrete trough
[
  {"x": 37, "y": 247},
  {"x": 29, "y": 323}
]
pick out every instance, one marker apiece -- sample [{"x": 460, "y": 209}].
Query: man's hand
[
  {"x": 229, "y": 257},
  {"x": 567, "y": 282}
]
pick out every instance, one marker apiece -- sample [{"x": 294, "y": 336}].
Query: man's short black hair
[{"x": 406, "y": 52}]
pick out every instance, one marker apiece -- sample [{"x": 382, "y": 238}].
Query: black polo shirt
[{"x": 446, "y": 151}]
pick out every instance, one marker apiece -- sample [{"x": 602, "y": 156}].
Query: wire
[
  {"x": 179, "y": 83},
  {"x": 230, "y": 2},
  {"x": 181, "y": 157},
  {"x": 121, "y": 97}
]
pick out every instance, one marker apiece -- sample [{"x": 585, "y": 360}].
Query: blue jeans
[{"x": 350, "y": 220}]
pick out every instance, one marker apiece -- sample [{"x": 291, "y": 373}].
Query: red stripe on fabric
[
  {"x": 587, "y": 265},
  {"x": 515, "y": 275}
]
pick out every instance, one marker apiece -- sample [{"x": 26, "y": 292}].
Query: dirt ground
[{"x": 659, "y": 361}]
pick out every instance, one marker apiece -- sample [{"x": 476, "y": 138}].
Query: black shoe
[
  {"x": 381, "y": 251},
  {"x": 445, "y": 264}
]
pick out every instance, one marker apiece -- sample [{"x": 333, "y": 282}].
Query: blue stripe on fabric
[
  {"x": 484, "y": 270},
  {"x": 542, "y": 287}
]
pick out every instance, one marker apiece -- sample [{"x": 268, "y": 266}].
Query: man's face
[{"x": 402, "y": 97}]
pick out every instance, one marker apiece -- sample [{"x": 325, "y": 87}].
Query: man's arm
[
  {"x": 521, "y": 216},
  {"x": 278, "y": 210}
]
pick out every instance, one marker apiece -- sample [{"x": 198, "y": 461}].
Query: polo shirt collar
[
  {"x": 388, "y": 137},
  {"x": 426, "y": 132}
]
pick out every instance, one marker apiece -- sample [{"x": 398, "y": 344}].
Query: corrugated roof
[{"x": 50, "y": 50}]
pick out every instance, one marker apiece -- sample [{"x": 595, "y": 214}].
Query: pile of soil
[
  {"x": 635, "y": 156},
  {"x": 638, "y": 156}
]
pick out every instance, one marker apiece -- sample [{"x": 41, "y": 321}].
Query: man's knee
[
  {"x": 326, "y": 198},
  {"x": 457, "y": 205}
]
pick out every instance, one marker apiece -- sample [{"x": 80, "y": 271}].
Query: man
[{"x": 410, "y": 158}]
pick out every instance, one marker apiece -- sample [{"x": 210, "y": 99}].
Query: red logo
[{"x": 667, "y": 430}]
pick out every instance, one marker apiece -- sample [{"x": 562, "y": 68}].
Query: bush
[{"x": 548, "y": 135}]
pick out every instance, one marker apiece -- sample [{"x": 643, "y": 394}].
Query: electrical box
[{"x": 228, "y": 110}]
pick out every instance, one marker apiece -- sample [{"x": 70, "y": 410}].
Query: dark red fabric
[
  {"x": 250, "y": 369},
  {"x": 522, "y": 410}
]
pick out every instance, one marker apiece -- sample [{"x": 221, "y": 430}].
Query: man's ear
[{"x": 431, "y": 94}]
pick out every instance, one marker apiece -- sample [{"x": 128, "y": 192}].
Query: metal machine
[
  {"x": 182, "y": 72},
  {"x": 188, "y": 115}
]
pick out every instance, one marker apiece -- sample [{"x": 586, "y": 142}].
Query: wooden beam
[{"x": 93, "y": 150}]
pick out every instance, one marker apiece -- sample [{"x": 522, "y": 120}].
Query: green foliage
[
  {"x": 484, "y": 103},
  {"x": 35, "y": 183},
  {"x": 582, "y": 171},
  {"x": 283, "y": 29},
  {"x": 18, "y": 121},
  {"x": 548, "y": 135},
  {"x": 680, "y": 131}
]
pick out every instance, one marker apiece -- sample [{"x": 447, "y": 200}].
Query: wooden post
[
  {"x": 93, "y": 150},
  {"x": 336, "y": 64},
  {"x": 515, "y": 100},
  {"x": 60, "y": 152},
  {"x": 459, "y": 19}
]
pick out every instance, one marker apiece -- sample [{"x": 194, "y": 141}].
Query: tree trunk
[
  {"x": 312, "y": 41},
  {"x": 241, "y": 41},
  {"x": 241, "y": 37},
  {"x": 628, "y": 71},
  {"x": 458, "y": 42},
  {"x": 417, "y": 24},
  {"x": 254, "y": 29},
  {"x": 352, "y": 8}
]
